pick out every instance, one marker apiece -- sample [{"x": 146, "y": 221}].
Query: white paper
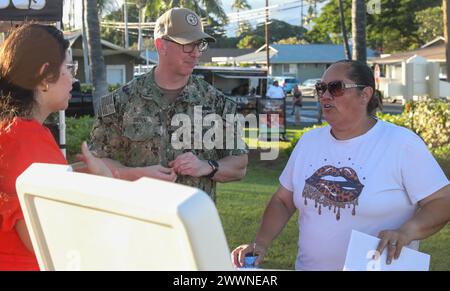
[{"x": 362, "y": 247}]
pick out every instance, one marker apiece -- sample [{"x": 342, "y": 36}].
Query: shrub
[
  {"x": 77, "y": 131},
  {"x": 442, "y": 155},
  {"x": 431, "y": 120},
  {"x": 87, "y": 89}
]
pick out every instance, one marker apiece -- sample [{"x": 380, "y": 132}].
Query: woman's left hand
[
  {"x": 394, "y": 240},
  {"x": 93, "y": 165}
]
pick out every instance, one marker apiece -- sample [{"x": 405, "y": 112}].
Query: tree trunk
[
  {"x": 446, "y": 12},
  {"x": 267, "y": 38},
  {"x": 87, "y": 76},
  {"x": 344, "y": 31},
  {"x": 359, "y": 30},
  {"x": 125, "y": 19},
  {"x": 96, "y": 60}
]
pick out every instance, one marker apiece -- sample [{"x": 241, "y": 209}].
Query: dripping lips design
[
  {"x": 333, "y": 187},
  {"x": 346, "y": 189}
]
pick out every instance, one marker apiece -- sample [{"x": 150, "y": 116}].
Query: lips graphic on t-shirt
[{"x": 333, "y": 187}]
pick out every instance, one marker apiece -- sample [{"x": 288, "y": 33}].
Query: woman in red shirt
[{"x": 35, "y": 80}]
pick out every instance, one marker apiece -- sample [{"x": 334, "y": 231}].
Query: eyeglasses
[
  {"x": 336, "y": 88},
  {"x": 72, "y": 68},
  {"x": 190, "y": 47}
]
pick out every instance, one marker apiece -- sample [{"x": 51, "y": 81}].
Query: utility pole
[
  {"x": 446, "y": 12},
  {"x": 301, "y": 13},
  {"x": 267, "y": 37},
  {"x": 74, "y": 22},
  {"x": 139, "y": 28},
  {"x": 125, "y": 19},
  {"x": 344, "y": 31}
]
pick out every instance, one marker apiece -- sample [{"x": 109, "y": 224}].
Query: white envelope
[{"x": 362, "y": 247}]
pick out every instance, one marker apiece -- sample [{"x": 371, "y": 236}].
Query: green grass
[{"x": 241, "y": 206}]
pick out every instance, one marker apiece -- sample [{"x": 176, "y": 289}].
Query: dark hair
[
  {"x": 361, "y": 74},
  {"x": 22, "y": 55}
]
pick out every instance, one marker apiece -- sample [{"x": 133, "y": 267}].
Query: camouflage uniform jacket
[{"x": 134, "y": 125}]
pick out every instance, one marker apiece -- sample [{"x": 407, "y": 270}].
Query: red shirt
[{"x": 22, "y": 142}]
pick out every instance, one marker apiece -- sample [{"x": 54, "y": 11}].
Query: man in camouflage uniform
[{"x": 134, "y": 130}]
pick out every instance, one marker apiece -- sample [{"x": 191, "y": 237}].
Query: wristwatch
[{"x": 215, "y": 166}]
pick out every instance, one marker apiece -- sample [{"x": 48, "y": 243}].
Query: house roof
[
  {"x": 437, "y": 41},
  {"x": 111, "y": 49},
  {"x": 434, "y": 53},
  {"x": 223, "y": 53},
  {"x": 309, "y": 53},
  {"x": 152, "y": 56}
]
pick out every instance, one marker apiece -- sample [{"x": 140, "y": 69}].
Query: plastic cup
[{"x": 249, "y": 261}]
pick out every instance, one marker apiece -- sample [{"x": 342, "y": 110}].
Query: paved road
[{"x": 309, "y": 111}]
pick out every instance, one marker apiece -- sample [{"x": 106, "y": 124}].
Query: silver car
[{"x": 308, "y": 87}]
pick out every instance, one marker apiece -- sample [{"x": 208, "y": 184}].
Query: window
[
  {"x": 289, "y": 68},
  {"x": 116, "y": 74}
]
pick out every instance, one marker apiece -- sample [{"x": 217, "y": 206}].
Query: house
[
  {"x": 306, "y": 61},
  {"x": 119, "y": 61},
  {"x": 434, "y": 51},
  {"x": 415, "y": 74}
]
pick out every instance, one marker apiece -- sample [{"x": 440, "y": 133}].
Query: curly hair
[{"x": 22, "y": 56}]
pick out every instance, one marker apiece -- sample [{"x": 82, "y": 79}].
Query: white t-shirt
[
  {"x": 275, "y": 92},
  {"x": 369, "y": 183}
]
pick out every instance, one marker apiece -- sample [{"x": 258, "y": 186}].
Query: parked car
[
  {"x": 287, "y": 83},
  {"x": 308, "y": 87}
]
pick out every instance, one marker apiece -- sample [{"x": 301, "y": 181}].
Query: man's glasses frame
[
  {"x": 72, "y": 67},
  {"x": 202, "y": 46},
  {"x": 336, "y": 88}
]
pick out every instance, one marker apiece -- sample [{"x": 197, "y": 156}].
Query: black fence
[{"x": 80, "y": 104}]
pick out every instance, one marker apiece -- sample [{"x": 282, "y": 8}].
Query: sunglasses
[
  {"x": 202, "y": 46},
  {"x": 336, "y": 88}
]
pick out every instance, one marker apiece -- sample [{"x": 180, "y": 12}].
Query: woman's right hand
[
  {"x": 92, "y": 164},
  {"x": 239, "y": 253}
]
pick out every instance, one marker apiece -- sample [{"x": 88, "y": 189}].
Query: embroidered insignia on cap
[
  {"x": 192, "y": 19},
  {"x": 107, "y": 105}
]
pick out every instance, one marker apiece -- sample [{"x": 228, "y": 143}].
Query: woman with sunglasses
[
  {"x": 358, "y": 173},
  {"x": 35, "y": 80}
]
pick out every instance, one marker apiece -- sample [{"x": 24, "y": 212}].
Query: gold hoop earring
[{"x": 46, "y": 88}]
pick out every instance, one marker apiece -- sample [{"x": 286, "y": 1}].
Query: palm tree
[
  {"x": 359, "y": 30},
  {"x": 302, "y": 16},
  {"x": 237, "y": 6},
  {"x": 446, "y": 11},
  {"x": 97, "y": 64},
  {"x": 202, "y": 7},
  {"x": 140, "y": 4},
  {"x": 344, "y": 31}
]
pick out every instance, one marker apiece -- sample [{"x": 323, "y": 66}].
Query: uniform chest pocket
[{"x": 141, "y": 129}]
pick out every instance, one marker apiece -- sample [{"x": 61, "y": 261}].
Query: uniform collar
[{"x": 157, "y": 96}]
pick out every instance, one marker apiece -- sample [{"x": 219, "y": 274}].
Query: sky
[{"x": 286, "y": 10}]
